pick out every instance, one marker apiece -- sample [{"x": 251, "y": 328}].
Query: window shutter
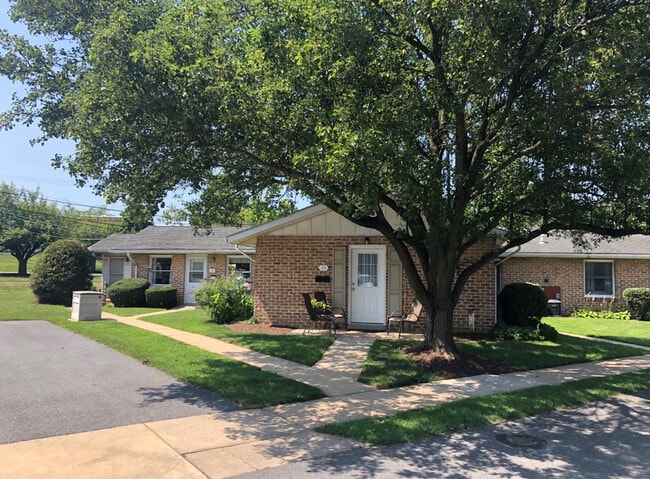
[
  {"x": 394, "y": 281},
  {"x": 338, "y": 278}
]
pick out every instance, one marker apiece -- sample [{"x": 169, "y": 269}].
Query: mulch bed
[
  {"x": 468, "y": 365},
  {"x": 257, "y": 328}
]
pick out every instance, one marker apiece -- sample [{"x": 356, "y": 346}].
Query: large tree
[
  {"x": 462, "y": 117},
  {"x": 28, "y": 223}
]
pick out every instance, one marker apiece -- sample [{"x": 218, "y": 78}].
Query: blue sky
[{"x": 30, "y": 166}]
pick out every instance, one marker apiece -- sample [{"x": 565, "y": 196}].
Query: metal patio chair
[
  {"x": 339, "y": 313},
  {"x": 400, "y": 318},
  {"x": 326, "y": 318}
]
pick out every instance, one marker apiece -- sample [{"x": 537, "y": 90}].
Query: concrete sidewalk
[{"x": 232, "y": 443}]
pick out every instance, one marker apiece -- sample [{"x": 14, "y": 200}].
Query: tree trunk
[
  {"x": 22, "y": 267},
  {"x": 439, "y": 334}
]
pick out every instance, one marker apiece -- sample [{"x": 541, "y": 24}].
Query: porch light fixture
[{"x": 366, "y": 240}]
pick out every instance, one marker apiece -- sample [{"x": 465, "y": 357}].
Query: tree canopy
[{"x": 459, "y": 116}]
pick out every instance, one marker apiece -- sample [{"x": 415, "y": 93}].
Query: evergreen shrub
[
  {"x": 523, "y": 304},
  {"x": 65, "y": 266},
  {"x": 161, "y": 297},
  {"x": 128, "y": 292}
]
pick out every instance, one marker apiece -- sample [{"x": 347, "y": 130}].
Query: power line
[
  {"x": 65, "y": 202},
  {"x": 68, "y": 203}
]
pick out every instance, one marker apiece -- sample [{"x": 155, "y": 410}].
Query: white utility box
[{"x": 87, "y": 305}]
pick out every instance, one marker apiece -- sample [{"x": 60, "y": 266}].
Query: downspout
[
  {"x": 497, "y": 268},
  {"x": 135, "y": 271},
  {"x": 242, "y": 253}
]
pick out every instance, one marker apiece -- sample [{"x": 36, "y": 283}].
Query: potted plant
[{"x": 320, "y": 306}]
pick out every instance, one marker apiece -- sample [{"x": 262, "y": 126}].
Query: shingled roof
[
  {"x": 556, "y": 245},
  {"x": 170, "y": 239}
]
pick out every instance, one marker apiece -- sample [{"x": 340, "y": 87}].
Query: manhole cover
[{"x": 524, "y": 441}]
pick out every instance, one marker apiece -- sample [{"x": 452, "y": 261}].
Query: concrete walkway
[
  {"x": 333, "y": 380},
  {"x": 233, "y": 443}
]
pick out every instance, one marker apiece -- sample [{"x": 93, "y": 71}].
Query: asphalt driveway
[{"x": 55, "y": 382}]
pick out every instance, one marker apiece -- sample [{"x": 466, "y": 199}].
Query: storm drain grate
[{"x": 523, "y": 441}]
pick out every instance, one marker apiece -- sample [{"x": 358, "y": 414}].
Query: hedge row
[{"x": 136, "y": 292}]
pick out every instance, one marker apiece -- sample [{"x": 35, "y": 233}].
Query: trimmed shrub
[
  {"x": 638, "y": 301},
  {"x": 128, "y": 292},
  {"x": 543, "y": 332},
  {"x": 226, "y": 299},
  {"x": 65, "y": 266},
  {"x": 523, "y": 304},
  {"x": 161, "y": 297}
]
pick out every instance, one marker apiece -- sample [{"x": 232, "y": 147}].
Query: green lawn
[
  {"x": 17, "y": 302},
  {"x": 409, "y": 426},
  {"x": 300, "y": 349},
  {"x": 387, "y": 366},
  {"x": 626, "y": 331}
]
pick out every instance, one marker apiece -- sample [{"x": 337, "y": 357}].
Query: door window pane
[
  {"x": 367, "y": 270},
  {"x": 196, "y": 273}
]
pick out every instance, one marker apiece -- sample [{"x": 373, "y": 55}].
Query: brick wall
[
  {"x": 142, "y": 267},
  {"x": 568, "y": 274},
  {"x": 286, "y": 266},
  {"x": 218, "y": 262}
]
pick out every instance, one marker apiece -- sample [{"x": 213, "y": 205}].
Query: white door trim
[{"x": 375, "y": 319}]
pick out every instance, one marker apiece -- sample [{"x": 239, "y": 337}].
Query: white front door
[
  {"x": 195, "y": 272},
  {"x": 367, "y": 299}
]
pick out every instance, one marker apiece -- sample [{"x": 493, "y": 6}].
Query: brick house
[
  {"x": 316, "y": 249},
  {"x": 592, "y": 277},
  {"x": 172, "y": 256}
]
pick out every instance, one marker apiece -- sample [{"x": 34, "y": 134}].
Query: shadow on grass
[
  {"x": 306, "y": 350},
  {"x": 248, "y": 386}
]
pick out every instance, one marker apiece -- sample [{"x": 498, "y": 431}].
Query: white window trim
[
  {"x": 152, "y": 270},
  {"x": 584, "y": 279}
]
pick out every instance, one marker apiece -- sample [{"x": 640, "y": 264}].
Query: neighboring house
[
  {"x": 172, "y": 256},
  {"x": 316, "y": 249},
  {"x": 592, "y": 277}
]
